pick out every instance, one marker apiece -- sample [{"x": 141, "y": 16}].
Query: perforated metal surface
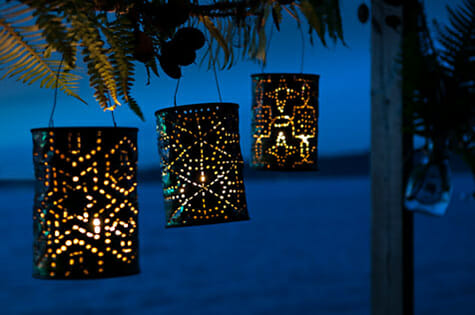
[
  {"x": 201, "y": 164},
  {"x": 284, "y": 121},
  {"x": 85, "y": 212}
]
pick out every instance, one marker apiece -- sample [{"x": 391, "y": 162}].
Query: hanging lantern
[
  {"x": 429, "y": 186},
  {"x": 201, "y": 164},
  {"x": 85, "y": 209},
  {"x": 284, "y": 121}
]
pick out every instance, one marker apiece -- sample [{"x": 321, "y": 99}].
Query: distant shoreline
[{"x": 329, "y": 166}]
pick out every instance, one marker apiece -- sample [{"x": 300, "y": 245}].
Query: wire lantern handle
[
  {"x": 302, "y": 57},
  {"x": 55, "y": 98},
  {"x": 53, "y": 109},
  {"x": 264, "y": 62},
  {"x": 213, "y": 61},
  {"x": 112, "y": 111}
]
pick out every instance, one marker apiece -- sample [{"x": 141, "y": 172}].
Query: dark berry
[
  {"x": 363, "y": 13},
  {"x": 169, "y": 67},
  {"x": 190, "y": 36}
]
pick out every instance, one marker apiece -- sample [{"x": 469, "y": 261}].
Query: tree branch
[{"x": 225, "y": 8}]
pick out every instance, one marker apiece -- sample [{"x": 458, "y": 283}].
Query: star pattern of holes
[{"x": 201, "y": 164}]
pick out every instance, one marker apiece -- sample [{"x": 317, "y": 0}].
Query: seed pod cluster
[
  {"x": 166, "y": 17},
  {"x": 180, "y": 50},
  {"x": 363, "y": 13}
]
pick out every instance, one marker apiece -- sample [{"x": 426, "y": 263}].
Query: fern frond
[
  {"x": 101, "y": 71},
  {"x": 216, "y": 37},
  {"x": 120, "y": 38},
  {"x": 21, "y": 53},
  {"x": 108, "y": 45},
  {"x": 50, "y": 19},
  {"x": 458, "y": 40},
  {"x": 440, "y": 83}
]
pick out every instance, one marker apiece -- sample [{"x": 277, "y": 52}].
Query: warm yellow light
[{"x": 63, "y": 224}]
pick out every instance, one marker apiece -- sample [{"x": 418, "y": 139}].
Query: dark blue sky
[{"x": 344, "y": 96}]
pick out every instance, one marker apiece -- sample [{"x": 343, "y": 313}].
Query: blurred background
[{"x": 306, "y": 248}]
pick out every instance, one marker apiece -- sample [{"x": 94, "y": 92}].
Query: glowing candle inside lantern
[{"x": 97, "y": 225}]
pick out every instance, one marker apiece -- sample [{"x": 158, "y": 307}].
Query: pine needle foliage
[
  {"x": 441, "y": 81},
  {"x": 111, "y": 36},
  {"x": 26, "y": 57},
  {"x": 245, "y": 33},
  {"x": 458, "y": 62}
]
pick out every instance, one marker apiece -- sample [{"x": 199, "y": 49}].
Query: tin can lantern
[
  {"x": 284, "y": 121},
  {"x": 85, "y": 212},
  {"x": 201, "y": 164}
]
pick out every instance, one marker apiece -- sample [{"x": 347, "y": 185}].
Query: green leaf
[
  {"x": 24, "y": 60},
  {"x": 216, "y": 35},
  {"x": 277, "y": 15},
  {"x": 314, "y": 20}
]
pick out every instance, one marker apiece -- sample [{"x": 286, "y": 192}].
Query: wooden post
[{"x": 391, "y": 226}]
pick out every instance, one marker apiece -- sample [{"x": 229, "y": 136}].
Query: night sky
[{"x": 344, "y": 95}]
